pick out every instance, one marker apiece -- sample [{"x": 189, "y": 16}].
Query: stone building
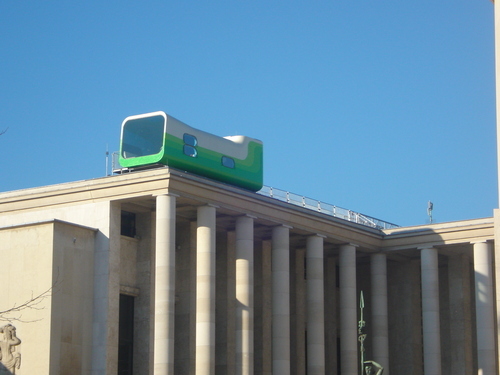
[{"x": 164, "y": 272}]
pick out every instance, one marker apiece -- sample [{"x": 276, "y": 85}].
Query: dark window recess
[
  {"x": 126, "y": 335},
  {"x": 228, "y": 162},
  {"x": 338, "y": 356},
  {"x": 128, "y": 224},
  {"x": 337, "y": 276}
]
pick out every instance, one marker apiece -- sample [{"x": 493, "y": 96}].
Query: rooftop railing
[{"x": 326, "y": 208}]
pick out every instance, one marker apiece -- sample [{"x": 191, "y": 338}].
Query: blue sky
[{"x": 377, "y": 107}]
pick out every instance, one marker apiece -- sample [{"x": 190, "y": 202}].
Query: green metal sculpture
[{"x": 367, "y": 367}]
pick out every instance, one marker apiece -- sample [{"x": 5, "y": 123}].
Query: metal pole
[
  {"x": 107, "y": 160},
  {"x": 361, "y": 335}
]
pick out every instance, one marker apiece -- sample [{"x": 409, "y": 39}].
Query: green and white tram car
[{"x": 159, "y": 139}]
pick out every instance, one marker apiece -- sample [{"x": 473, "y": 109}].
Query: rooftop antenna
[
  {"x": 107, "y": 160},
  {"x": 430, "y": 207}
]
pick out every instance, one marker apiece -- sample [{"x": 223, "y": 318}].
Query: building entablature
[
  {"x": 137, "y": 192},
  {"x": 462, "y": 233}
]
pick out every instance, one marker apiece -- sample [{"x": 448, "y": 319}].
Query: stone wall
[{"x": 55, "y": 334}]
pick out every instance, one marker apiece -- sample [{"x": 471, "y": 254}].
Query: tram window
[
  {"x": 190, "y": 151},
  {"x": 228, "y": 162},
  {"x": 143, "y": 136},
  {"x": 190, "y": 140}
]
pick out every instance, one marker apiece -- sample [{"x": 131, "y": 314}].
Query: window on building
[
  {"x": 128, "y": 224},
  {"x": 126, "y": 335}
]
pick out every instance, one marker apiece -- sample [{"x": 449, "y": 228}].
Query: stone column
[
  {"x": 244, "y": 296},
  {"x": 298, "y": 312},
  {"x": 281, "y": 300},
  {"x": 231, "y": 304},
  {"x": 430, "y": 311},
  {"x": 379, "y": 323},
  {"x": 331, "y": 319},
  {"x": 205, "y": 291},
  {"x": 315, "y": 306},
  {"x": 496, "y": 10},
  {"x": 460, "y": 317},
  {"x": 348, "y": 310},
  {"x": 164, "y": 311},
  {"x": 496, "y": 258},
  {"x": 485, "y": 322},
  {"x": 267, "y": 312}
]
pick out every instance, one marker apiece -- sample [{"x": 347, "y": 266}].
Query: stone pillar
[
  {"x": 485, "y": 322},
  {"x": 379, "y": 323},
  {"x": 496, "y": 262},
  {"x": 262, "y": 308},
  {"x": 164, "y": 311},
  {"x": 223, "y": 316},
  {"x": 281, "y": 299},
  {"x": 496, "y": 9},
  {"x": 430, "y": 311},
  {"x": 267, "y": 312},
  {"x": 298, "y": 312},
  {"x": 231, "y": 303},
  {"x": 348, "y": 310},
  {"x": 205, "y": 291},
  {"x": 460, "y": 314},
  {"x": 244, "y": 296},
  {"x": 315, "y": 306},
  {"x": 331, "y": 318},
  {"x": 185, "y": 266}
]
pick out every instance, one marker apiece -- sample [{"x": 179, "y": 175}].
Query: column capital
[
  {"x": 247, "y": 215},
  {"x": 209, "y": 205},
  {"x": 283, "y": 226},
  {"x": 480, "y": 241},
  {"x": 317, "y": 235},
  {"x": 349, "y": 244},
  {"x": 167, "y": 193},
  {"x": 427, "y": 247}
]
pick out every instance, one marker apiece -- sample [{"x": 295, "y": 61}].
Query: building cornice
[
  {"x": 452, "y": 233},
  {"x": 142, "y": 187}
]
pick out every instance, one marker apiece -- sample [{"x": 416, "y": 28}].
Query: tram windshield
[{"x": 142, "y": 136}]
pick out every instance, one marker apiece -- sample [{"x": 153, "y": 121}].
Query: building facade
[{"x": 164, "y": 272}]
